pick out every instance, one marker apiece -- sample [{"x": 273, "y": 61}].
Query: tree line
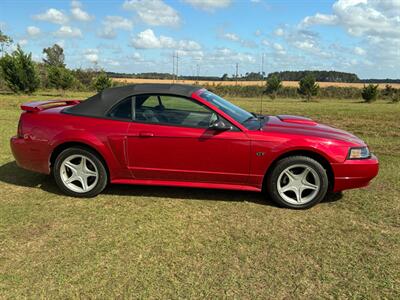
[
  {"x": 308, "y": 89},
  {"x": 322, "y": 76},
  {"x": 20, "y": 74}
]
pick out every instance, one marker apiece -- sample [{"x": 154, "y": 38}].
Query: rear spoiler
[{"x": 42, "y": 105}]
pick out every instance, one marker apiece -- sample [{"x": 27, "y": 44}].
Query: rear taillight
[{"x": 19, "y": 132}]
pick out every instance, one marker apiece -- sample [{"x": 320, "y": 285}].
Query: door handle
[{"x": 146, "y": 134}]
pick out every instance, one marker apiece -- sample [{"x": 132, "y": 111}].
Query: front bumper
[
  {"x": 29, "y": 156},
  {"x": 354, "y": 173}
]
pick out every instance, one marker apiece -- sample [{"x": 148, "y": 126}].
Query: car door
[{"x": 170, "y": 139}]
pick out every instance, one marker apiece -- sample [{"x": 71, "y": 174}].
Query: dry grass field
[
  {"x": 138, "y": 242},
  {"x": 243, "y": 83}
]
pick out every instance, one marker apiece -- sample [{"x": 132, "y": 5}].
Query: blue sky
[{"x": 360, "y": 36}]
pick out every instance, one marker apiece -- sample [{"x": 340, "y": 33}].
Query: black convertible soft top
[{"x": 99, "y": 104}]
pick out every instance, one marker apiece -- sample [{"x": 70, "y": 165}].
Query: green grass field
[{"x": 159, "y": 242}]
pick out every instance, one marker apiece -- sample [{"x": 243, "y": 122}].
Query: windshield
[{"x": 230, "y": 109}]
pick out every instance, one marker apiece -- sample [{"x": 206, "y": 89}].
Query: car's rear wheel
[
  {"x": 80, "y": 172},
  {"x": 297, "y": 182}
]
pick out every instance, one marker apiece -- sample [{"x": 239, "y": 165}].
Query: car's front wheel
[
  {"x": 297, "y": 182},
  {"x": 80, "y": 172}
]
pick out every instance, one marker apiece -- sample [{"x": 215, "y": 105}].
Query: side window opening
[
  {"x": 123, "y": 110},
  {"x": 172, "y": 110},
  {"x": 165, "y": 110}
]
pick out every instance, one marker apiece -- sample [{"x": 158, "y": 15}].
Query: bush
[
  {"x": 84, "y": 78},
  {"x": 340, "y": 92},
  {"x": 370, "y": 92},
  {"x": 274, "y": 84},
  {"x": 19, "y": 73},
  {"x": 101, "y": 82},
  {"x": 60, "y": 77},
  {"x": 307, "y": 87},
  {"x": 391, "y": 94}
]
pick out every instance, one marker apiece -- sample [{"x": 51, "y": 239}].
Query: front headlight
[{"x": 359, "y": 153}]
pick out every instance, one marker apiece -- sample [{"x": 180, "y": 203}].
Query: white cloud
[
  {"x": 305, "y": 45},
  {"x": 232, "y": 37},
  {"x": 52, "y": 15},
  {"x": 153, "y": 12},
  {"x": 188, "y": 45},
  {"x": 68, "y": 32},
  {"x": 33, "y": 31},
  {"x": 265, "y": 42},
  {"x": 118, "y": 22},
  {"x": 359, "y": 51},
  {"x": 136, "y": 55},
  {"x": 279, "y": 32},
  {"x": 258, "y": 32},
  {"x": 22, "y": 42},
  {"x": 227, "y": 56},
  {"x": 376, "y": 23},
  {"x": 362, "y": 17},
  {"x": 319, "y": 19},
  {"x": 110, "y": 62},
  {"x": 308, "y": 42},
  {"x": 235, "y": 38},
  {"x": 78, "y": 13},
  {"x": 111, "y": 23},
  {"x": 92, "y": 55},
  {"x": 148, "y": 40},
  {"x": 209, "y": 5},
  {"x": 277, "y": 46}
]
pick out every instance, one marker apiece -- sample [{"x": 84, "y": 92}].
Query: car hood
[{"x": 305, "y": 126}]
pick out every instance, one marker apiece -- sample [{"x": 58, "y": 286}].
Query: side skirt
[{"x": 206, "y": 185}]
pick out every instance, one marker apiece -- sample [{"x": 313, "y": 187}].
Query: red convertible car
[{"x": 181, "y": 135}]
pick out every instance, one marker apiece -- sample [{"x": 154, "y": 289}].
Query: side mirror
[{"x": 220, "y": 125}]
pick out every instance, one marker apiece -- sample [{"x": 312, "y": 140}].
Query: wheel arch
[
  {"x": 65, "y": 145},
  {"x": 308, "y": 153}
]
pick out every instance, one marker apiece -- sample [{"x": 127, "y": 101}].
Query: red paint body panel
[
  {"x": 354, "y": 173},
  {"x": 153, "y": 154},
  {"x": 188, "y": 154}
]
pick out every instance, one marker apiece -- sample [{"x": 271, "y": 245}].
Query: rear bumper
[
  {"x": 28, "y": 156},
  {"x": 354, "y": 173}
]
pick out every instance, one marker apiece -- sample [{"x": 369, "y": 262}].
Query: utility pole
[
  {"x": 262, "y": 65},
  {"x": 173, "y": 67},
  {"x": 177, "y": 65},
  {"x": 237, "y": 72},
  {"x": 198, "y": 72},
  {"x": 262, "y": 68}
]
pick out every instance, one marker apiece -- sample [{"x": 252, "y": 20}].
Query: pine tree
[
  {"x": 19, "y": 72},
  {"x": 308, "y": 87}
]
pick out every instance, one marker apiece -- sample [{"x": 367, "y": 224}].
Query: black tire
[
  {"x": 271, "y": 187},
  {"x": 97, "y": 161}
]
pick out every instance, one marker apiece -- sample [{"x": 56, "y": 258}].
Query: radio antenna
[{"x": 262, "y": 83}]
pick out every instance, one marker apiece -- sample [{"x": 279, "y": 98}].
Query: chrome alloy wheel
[
  {"x": 298, "y": 184},
  {"x": 78, "y": 173}
]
